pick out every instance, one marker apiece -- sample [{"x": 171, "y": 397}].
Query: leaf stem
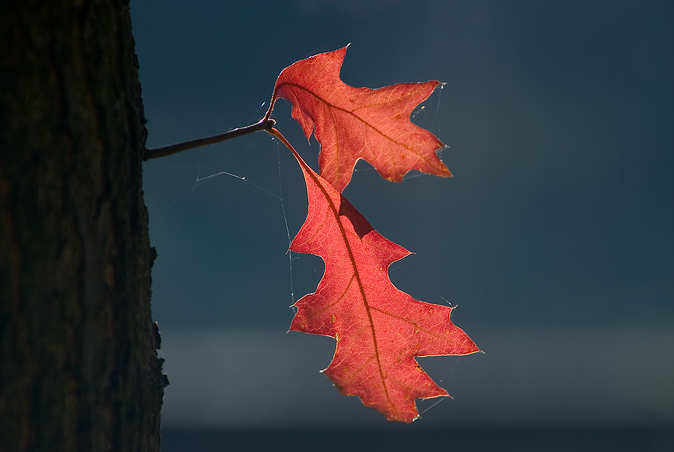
[
  {"x": 273, "y": 131},
  {"x": 265, "y": 124}
]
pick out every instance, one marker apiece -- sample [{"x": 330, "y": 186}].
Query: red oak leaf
[
  {"x": 359, "y": 123},
  {"x": 378, "y": 328}
]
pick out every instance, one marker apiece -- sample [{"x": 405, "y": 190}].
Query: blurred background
[{"x": 555, "y": 236}]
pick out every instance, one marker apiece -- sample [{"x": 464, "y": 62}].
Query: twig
[{"x": 265, "y": 124}]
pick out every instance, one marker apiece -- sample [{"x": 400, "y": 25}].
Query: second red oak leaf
[
  {"x": 359, "y": 123},
  {"x": 378, "y": 328}
]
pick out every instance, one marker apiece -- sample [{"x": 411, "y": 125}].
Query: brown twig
[{"x": 265, "y": 124}]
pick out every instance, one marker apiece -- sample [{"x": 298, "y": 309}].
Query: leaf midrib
[
  {"x": 356, "y": 273},
  {"x": 355, "y": 116}
]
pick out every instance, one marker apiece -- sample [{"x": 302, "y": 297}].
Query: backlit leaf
[
  {"x": 378, "y": 328},
  {"x": 359, "y": 123}
]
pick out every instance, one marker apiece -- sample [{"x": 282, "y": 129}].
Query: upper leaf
[
  {"x": 379, "y": 329},
  {"x": 359, "y": 123}
]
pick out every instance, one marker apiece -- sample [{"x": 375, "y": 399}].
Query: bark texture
[{"x": 78, "y": 362}]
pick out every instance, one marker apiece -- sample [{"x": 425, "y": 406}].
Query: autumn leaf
[
  {"x": 359, "y": 123},
  {"x": 378, "y": 328}
]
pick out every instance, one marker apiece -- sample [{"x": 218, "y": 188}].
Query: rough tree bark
[{"x": 78, "y": 362}]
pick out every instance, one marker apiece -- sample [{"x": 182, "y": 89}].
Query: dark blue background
[{"x": 560, "y": 217}]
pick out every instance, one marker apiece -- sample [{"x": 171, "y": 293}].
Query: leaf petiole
[{"x": 264, "y": 124}]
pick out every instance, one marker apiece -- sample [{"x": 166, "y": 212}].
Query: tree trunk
[{"x": 78, "y": 362}]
